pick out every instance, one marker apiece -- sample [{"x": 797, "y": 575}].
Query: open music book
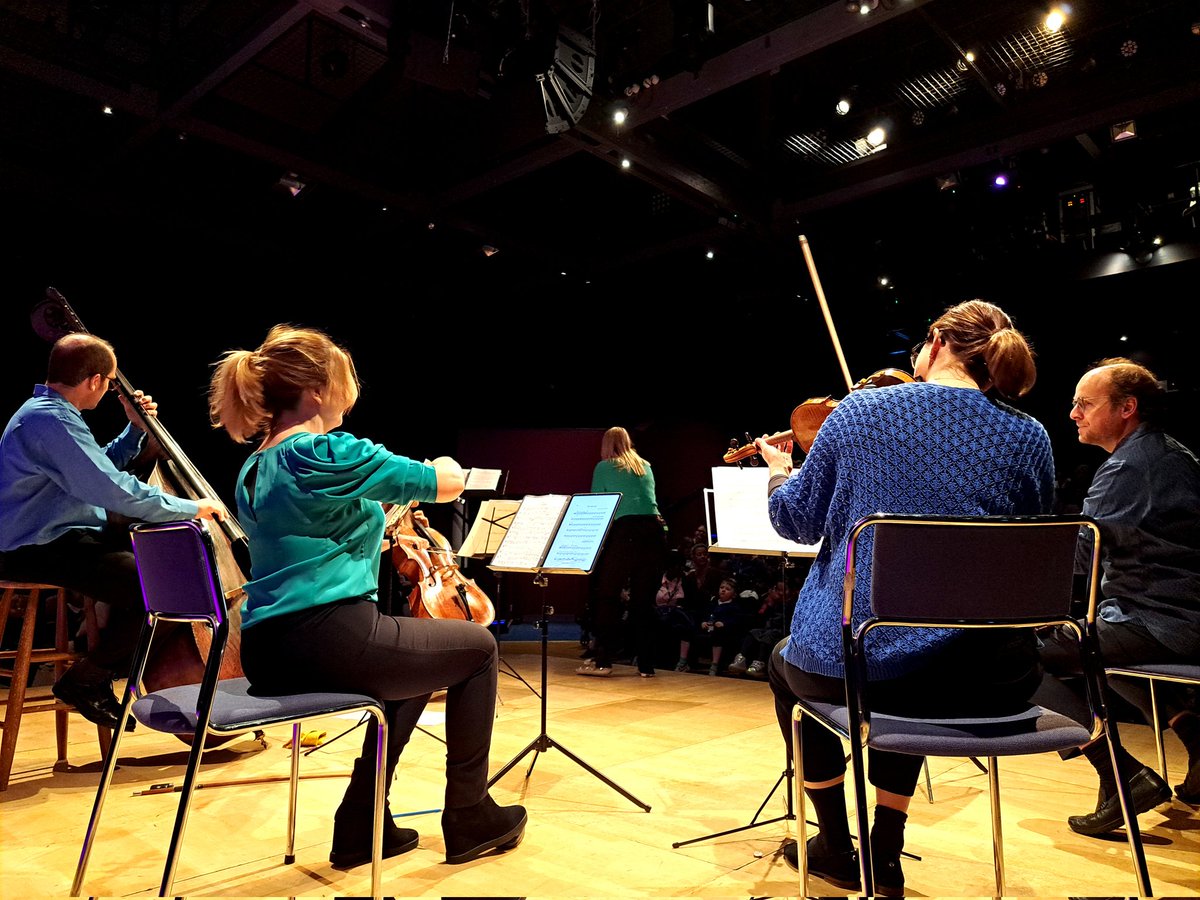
[
  {"x": 556, "y": 533},
  {"x": 489, "y": 528}
]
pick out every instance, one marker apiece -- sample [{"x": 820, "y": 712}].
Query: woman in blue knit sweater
[{"x": 944, "y": 445}]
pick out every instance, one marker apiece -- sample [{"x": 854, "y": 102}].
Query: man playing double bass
[{"x": 57, "y": 485}]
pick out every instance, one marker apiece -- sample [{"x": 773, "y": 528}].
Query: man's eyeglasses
[
  {"x": 112, "y": 382},
  {"x": 914, "y": 353}
]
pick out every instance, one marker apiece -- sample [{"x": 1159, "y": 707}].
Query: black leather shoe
[
  {"x": 1146, "y": 790},
  {"x": 838, "y": 869},
  {"x": 95, "y": 702}
]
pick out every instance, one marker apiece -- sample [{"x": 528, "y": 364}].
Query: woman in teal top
[
  {"x": 631, "y": 566},
  {"x": 310, "y": 499}
]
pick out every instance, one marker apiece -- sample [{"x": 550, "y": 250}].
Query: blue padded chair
[
  {"x": 963, "y": 572},
  {"x": 180, "y": 583},
  {"x": 1181, "y": 673}
]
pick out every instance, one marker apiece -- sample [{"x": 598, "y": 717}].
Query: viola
[
  {"x": 424, "y": 557},
  {"x": 807, "y": 418}
]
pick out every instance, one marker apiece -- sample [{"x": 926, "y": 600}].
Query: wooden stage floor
[{"x": 704, "y": 753}]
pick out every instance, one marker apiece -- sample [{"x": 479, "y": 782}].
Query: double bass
[{"x": 177, "y": 657}]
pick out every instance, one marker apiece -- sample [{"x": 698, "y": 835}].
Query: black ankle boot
[
  {"x": 472, "y": 831},
  {"x": 352, "y": 837}
]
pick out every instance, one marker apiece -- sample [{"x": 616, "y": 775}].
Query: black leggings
[
  {"x": 350, "y": 646},
  {"x": 976, "y": 663}
]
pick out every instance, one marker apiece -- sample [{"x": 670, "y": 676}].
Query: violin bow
[{"x": 837, "y": 347}]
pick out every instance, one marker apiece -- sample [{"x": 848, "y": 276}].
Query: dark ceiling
[
  {"x": 433, "y": 109},
  {"x": 419, "y": 134}
]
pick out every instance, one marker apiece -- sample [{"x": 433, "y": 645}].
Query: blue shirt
[
  {"x": 909, "y": 448},
  {"x": 311, "y": 508},
  {"x": 55, "y": 477},
  {"x": 1146, "y": 500}
]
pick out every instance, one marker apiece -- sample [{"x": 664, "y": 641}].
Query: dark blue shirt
[{"x": 1146, "y": 500}]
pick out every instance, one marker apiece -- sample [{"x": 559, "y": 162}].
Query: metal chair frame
[
  {"x": 1006, "y": 592},
  {"x": 181, "y": 583},
  {"x": 1179, "y": 673}
]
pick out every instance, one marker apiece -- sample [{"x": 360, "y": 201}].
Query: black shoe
[
  {"x": 1189, "y": 790},
  {"x": 94, "y": 701},
  {"x": 889, "y": 877},
  {"x": 1146, "y": 789},
  {"x": 472, "y": 831},
  {"x": 838, "y": 869},
  {"x": 352, "y": 840}
]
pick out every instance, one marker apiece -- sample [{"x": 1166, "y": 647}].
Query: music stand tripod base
[{"x": 543, "y": 741}]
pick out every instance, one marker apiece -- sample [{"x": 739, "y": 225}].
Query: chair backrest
[
  {"x": 177, "y": 568},
  {"x": 970, "y": 569}
]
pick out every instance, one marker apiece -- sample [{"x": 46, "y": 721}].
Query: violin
[
  {"x": 807, "y": 418},
  {"x": 423, "y": 556}
]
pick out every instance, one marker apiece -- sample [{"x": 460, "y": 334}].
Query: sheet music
[
  {"x": 584, "y": 525},
  {"x": 489, "y": 528},
  {"x": 482, "y": 479},
  {"x": 530, "y": 531},
  {"x": 740, "y": 504}
]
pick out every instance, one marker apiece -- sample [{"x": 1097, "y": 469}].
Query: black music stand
[
  {"x": 481, "y": 542},
  {"x": 788, "y": 772},
  {"x": 559, "y": 534}
]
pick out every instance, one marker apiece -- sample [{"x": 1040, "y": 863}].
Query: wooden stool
[{"x": 20, "y": 597}]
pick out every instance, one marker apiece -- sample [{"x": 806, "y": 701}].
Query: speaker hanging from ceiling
[{"x": 567, "y": 85}]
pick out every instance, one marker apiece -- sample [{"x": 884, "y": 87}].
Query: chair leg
[
  {"x": 290, "y": 856},
  {"x": 187, "y": 791},
  {"x": 19, "y": 683},
  {"x": 380, "y": 804},
  {"x": 1158, "y": 731},
  {"x": 997, "y": 831},
  {"x": 799, "y": 801},
  {"x": 1132, "y": 832},
  {"x": 62, "y": 645},
  {"x": 110, "y": 766},
  {"x": 928, "y": 780}
]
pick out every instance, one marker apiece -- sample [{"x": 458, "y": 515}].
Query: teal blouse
[
  {"x": 637, "y": 491},
  {"x": 311, "y": 508}
]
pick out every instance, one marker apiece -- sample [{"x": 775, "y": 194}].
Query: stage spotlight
[
  {"x": 1001, "y": 180},
  {"x": 876, "y": 137},
  {"x": 625, "y": 163},
  {"x": 843, "y": 107},
  {"x": 291, "y": 183},
  {"x": 1055, "y": 20},
  {"x": 1129, "y": 48},
  {"x": 1123, "y": 131}
]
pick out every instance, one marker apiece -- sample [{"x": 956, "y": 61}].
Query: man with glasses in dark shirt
[
  {"x": 1146, "y": 500},
  {"x": 57, "y": 486}
]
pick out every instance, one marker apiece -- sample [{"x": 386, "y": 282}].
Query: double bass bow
[
  {"x": 178, "y": 658},
  {"x": 806, "y": 419}
]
